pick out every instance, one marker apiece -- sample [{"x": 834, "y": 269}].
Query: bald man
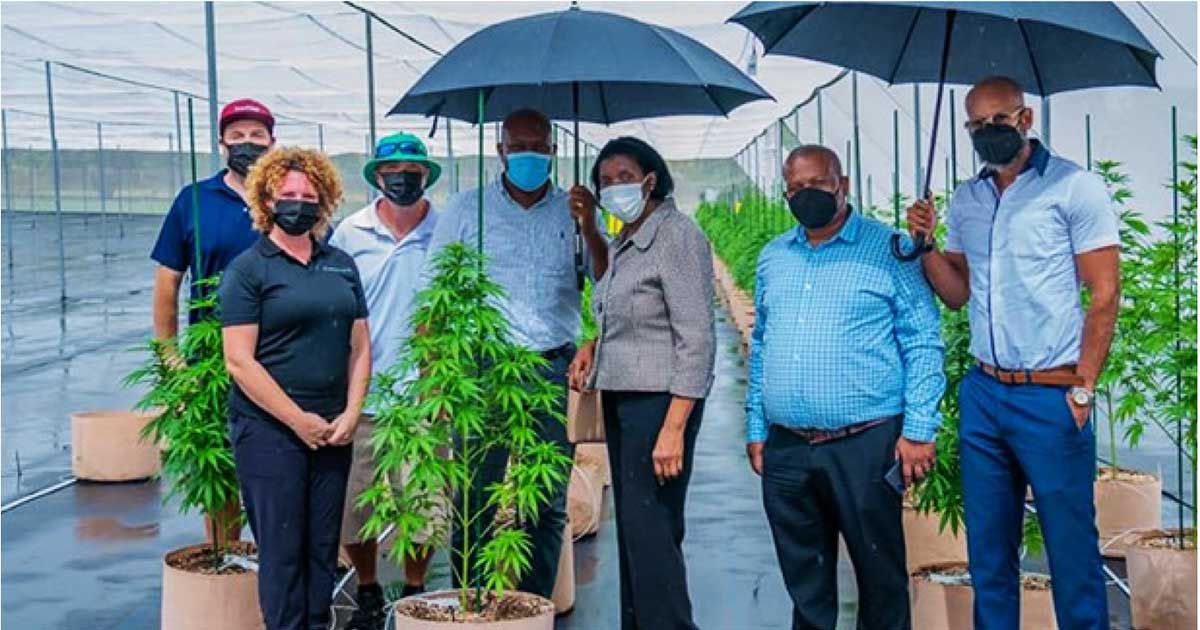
[
  {"x": 845, "y": 381},
  {"x": 1022, "y": 236},
  {"x": 529, "y": 241}
]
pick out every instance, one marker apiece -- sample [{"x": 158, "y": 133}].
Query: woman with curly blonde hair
[{"x": 294, "y": 320}]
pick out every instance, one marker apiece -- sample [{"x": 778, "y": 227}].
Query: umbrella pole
[
  {"x": 578, "y": 233},
  {"x": 479, "y": 196},
  {"x": 923, "y": 242}
]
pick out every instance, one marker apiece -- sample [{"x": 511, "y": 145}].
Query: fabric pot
[
  {"x": 585, "y": 417},
  {"x": 585, "y": 494},
  {"x": 564, "y": 585},
  {"x": 938, "y": 605},
  {"x": 1163, "y": 582},
  {"x": 947, "y": 603},
  {"x": 108, "y": 446},
  {"x": 926, "y": 545},
  {"x": 544, "y": 620},
  {"x": 1126, "y": 506},
  {"x": 593, "y": 457},
  {"x": 198, "y": 601}
]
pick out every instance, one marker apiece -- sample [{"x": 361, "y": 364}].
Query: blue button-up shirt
[
  {"x": 225, "y": 232},
  {"x": 392, "y": 274},
  {"x": 843, "y": 333},
  {"x": 530, "y": 253},
  {"x": 1025, "y": 310}
]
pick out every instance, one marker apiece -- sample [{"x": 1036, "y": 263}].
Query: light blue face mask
[{"x": 528, "y": 170}]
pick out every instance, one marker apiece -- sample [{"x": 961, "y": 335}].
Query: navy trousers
[
  {"x": 294, "y": 498},
  {"x": 1017, "y": 435}
]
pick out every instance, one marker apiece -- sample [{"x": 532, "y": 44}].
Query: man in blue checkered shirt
[{"x": 845, "y": 381}]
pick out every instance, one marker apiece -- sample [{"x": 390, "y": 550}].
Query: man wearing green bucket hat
[{"x": 388, "y": 240}]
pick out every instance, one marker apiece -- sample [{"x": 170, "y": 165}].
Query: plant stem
[{"x": 1112, "y": 430}]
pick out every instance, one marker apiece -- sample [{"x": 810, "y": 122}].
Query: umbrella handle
[{"x": 920, "y": 247}]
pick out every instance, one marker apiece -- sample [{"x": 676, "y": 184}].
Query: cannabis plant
[
  {"x": 463, "y": 384},
  {"x": 188, "y": 389}
]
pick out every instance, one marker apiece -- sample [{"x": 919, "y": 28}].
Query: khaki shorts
[{"x": 362, "y": 475}]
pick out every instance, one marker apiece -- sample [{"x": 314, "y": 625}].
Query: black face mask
[
  {"x": 997, "y": 144},
  {"x": 242, "y": 155},
  {"x": 813, "y": 208},
  {"x": 403, "y": 189},
  {"x": 296, "y": 216}
]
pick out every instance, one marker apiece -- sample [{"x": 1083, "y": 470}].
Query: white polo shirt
[
  {"x": 1025, "y": 309},
  {"x": 391, "y": 273}
]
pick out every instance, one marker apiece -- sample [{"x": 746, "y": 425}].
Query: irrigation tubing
[{"x": 37, "y": 495}]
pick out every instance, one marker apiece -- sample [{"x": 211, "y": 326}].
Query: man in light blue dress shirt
[
  {"x": 529, "y": 240},
  {"x": 1023, "y": 235},
  {"x": 845, "y": 381}
]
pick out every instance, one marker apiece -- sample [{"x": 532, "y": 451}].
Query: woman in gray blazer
[{"x": 653, "y": 362}]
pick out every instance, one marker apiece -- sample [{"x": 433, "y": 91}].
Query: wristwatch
[{"x": 1082, "y": 396}]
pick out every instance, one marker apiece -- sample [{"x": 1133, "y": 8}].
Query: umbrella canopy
[
  {"x": 1047, "y": 47},
  {"x": 580, "y": 65}
]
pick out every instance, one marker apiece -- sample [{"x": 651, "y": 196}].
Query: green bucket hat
[{"x": 400, "y": 147}]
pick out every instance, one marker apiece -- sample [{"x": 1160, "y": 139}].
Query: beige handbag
[{"x": 585, "y": 417}]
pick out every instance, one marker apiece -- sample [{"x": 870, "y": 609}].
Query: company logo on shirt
[{"x": 332, "y": 269}]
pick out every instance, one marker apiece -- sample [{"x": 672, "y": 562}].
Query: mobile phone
[{"x": 895, "y": 479}]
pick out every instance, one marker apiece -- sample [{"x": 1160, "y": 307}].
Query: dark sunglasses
[{"x": 391, "y": 148}]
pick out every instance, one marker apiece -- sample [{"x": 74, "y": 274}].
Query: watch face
[{"x": 1081, "y": 396}]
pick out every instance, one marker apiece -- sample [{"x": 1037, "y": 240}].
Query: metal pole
[
  {"x": 321, "y": 137},
  {"x": 554, "y": 164},
  {"x": 796, "y": 124},
  {"x": 103, "y": 187},
  {"x": 452, "y": 167},
  {"x": 1046, "y": 121},
  {"x": 370, "y": 79},
  {"x": 179, "y": 142},
  {"x": 170, "y": 166},
  {"x": 917, "y": 192},
  {"x": 820, "y": 120},
  {"x": 62, "y": 250},
  {"x": 953, "y": 146},
  {"x": 8, "y": 207},
  {"x": 896, "y": 168},
  {"x": 210, "y": 45},
  {"x": 852, "y": 171},
  {"x": 779, "y": 163},
  {"x": 858, "y": 179},
  {"x": 1178, "y": 332},
  {"x": 370, "y": 149},
  {"x": 1087, "y": 134}
]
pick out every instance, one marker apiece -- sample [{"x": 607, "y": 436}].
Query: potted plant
[
  {"x": 204, "y": 585},
  {"x": 1128, "y": 502},
  {"x": 1162, "y": 565},
  {"x": 471, "y": 388},
  {"x": 942, "y": 599}
]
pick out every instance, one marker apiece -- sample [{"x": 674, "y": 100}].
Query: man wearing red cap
[{"x": 246, "y": 132}]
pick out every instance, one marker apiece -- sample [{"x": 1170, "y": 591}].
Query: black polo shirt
[{"x": 304, "y": 313}]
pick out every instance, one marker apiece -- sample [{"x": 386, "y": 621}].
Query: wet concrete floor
[{"x": 89, "y": 556}]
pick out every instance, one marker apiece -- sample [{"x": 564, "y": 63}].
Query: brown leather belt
[
  {"x": 818, "y": 436},
  {"x": 1061, "y": 376}
]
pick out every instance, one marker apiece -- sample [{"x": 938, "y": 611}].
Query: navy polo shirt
[
  {"x": 304, "y": 314},
  {"x": 225, "y": 232}
]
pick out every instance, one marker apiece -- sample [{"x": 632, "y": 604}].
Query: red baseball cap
[{"x": 246, "y": 109}]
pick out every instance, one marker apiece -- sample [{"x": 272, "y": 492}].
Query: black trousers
[
  {"x": 812, "y": 493},
  {"x": 294, "y": 498},
  {"x": 546, "y": 533},
  {"x": 650, "y": 519}
]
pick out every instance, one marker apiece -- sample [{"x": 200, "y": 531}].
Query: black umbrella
[
  {"x": 578, "y": 65},
  {"x": 1048, "y": 47}
]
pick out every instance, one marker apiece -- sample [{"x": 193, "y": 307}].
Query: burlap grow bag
[
  {"x": 584, "y": 498},
  {"x": 585, "y": 417},
  {"x": 593, "y": 458},
  {"x": 925, "y": 545},
  {"x": 1126, "y": 506},
  {"x": 1163, "y": 580},
  {"x": 942, "y": 599},
  {"x": 201, "y": 601},
  {"x": 108, "y": 446},
  {"x": 564, "y": 585}
]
